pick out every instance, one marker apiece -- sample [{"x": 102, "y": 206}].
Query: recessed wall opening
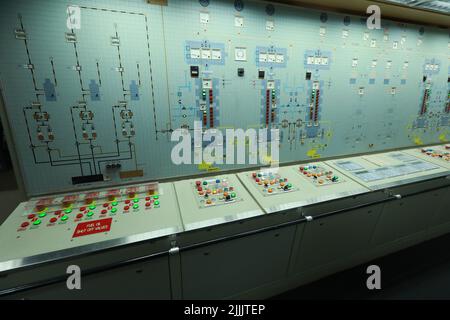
[{"x": 7, "y": 177}]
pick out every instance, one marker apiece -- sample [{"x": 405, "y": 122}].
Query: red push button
[
  {"x": 57, "y": 213},
  {"x": 83, "y": 209},
  {"x": 127, "y": 201},
  {"x": 53, "y": 220},
  {"x": 31, "y": 216},
  {"x": 104, "y": 211},
  {"x": 126, "y": 208},
  {"x": 79, "y": 216},
  {"x": 105, "y": 205},
  {"x": 148, "y": 204},
  {"x": 25, "y": 224}
]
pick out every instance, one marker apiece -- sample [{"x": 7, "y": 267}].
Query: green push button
[
  {"x": 92, "y": 207},
  {"x": 42, "y": 215},
  {"x": 90, "y": 214},
  {"x": 68, "y": 210},
  {"x": 114, "y": 210},
  {"x": 205, "y": 183},
  {"x": 37, "y": 222},
  {"x": 156, "y": 203},
  {"x": 64, "y": 218},
  {"x": 136, "y": 206},
  {"x": 156, "y": 197},
  {"x": 114, "y": 204},
  {"x": 136, "y": 200},
  {"x": 233, "y": 195}
]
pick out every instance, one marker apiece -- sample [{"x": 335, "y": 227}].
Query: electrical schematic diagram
[
  {"x": 433, "y": 108},
  {"x": 98, "y": 104},
  {"x": 90, "y": 131}
]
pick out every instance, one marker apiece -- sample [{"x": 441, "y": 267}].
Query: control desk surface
[
  {"x": 437, "y": 154},
  {"x": 64, "y": 225},
  {"x": 210, "y": 201},
  {"x": 102, "y": 218},
  {"x": 278, "y": 189},
  {"x": 388, "y": 169}
]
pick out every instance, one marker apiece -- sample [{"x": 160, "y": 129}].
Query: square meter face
[{"x": 212, "y": 192}]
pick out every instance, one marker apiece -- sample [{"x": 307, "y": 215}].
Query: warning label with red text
[{"x": 92, "y": 227}]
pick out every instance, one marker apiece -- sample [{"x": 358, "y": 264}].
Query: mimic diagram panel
[
  {"x": 214, "y": 192},
  {"x": 319, "y": 175},
  {"x": 270, "y": 182},
  {"x": 214, "y": 201},
  {"x": 387, "y": 169},
  {"x": 437, "y": 154},
  {"x": 288, "y": 188},
  {"x": 94, "y": 89}
]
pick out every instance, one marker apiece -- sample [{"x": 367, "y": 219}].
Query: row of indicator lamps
[
  {"x": 36, "y": 219},
  {"x": 88, "y": 211}
]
